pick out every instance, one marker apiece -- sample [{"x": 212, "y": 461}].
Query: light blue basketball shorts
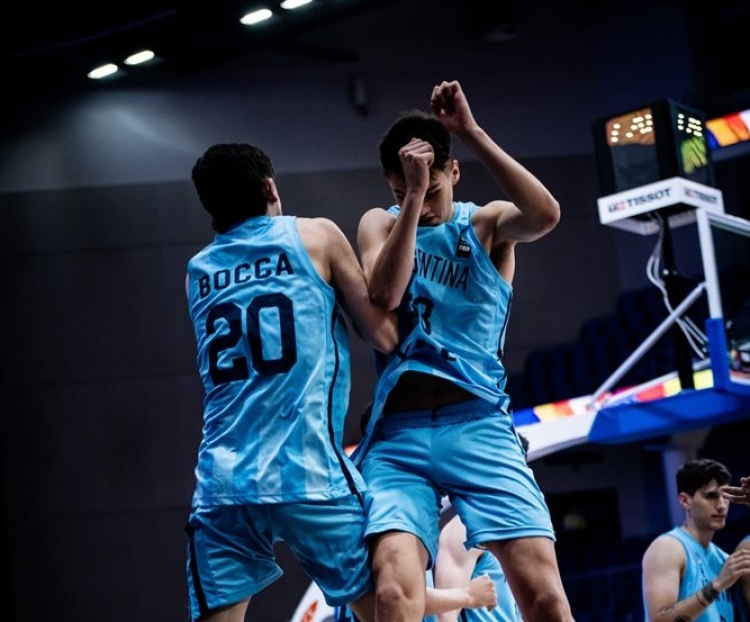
[
  {"x": 469, "y": 451},
  {"x": 230, "y": 553}
]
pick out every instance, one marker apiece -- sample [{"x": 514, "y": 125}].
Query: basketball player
[
  {"x": 273, "y": 356},
  {"x": 686, "y": 576},
  {"x": 441, "y": 420}
]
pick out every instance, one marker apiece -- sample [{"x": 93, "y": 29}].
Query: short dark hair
[
  {"x": 414, "y": 124},
  {"x": 695, "y": 474},
  {"x": 230, "y": 179}
]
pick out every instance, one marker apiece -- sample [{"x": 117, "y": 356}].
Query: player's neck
[{"x": 702, "y": 536}]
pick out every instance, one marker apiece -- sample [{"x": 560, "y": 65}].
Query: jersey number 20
[{"x": 231, "y": 313}]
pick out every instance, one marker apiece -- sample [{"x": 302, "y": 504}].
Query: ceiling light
[
  {"x": 103, "y": 71},
  {"x": 293, "y": 4},
  {"x": 256, "y": 16},
  {"x": 139, "y": 57}
]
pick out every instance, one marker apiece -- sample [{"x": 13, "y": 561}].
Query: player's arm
[
  {"x": 535, "y": 211},
  {"x": 335, "y": 259},
  {"x": 480, "y": 593},
  {"x": 662, "y": 566},
  {"x": 378, "y": 238},
  {"x": 454, "y": 564},
  {"x": 663, "y": 563},
  {"x": 386, "y": 243}
]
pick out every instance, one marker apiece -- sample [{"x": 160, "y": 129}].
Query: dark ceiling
[
  {"x": 65, "y": 41},
  {"x": 47, "y": 52}
]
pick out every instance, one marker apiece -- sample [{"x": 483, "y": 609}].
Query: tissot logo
[
  {"x": 703, "y": 196},
  {"x": 639, "y": 200}
]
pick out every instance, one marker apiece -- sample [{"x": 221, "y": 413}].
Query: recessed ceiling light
[
  {"x": 103, "y": 71},
  {"x": 139, "y": 57},
  {"x": 293, "y": 4},
  {"x": 260, "y": 15}
]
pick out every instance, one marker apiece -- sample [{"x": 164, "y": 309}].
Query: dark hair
[
  {"x": 231, "y": 182},
  {"x": 695, "y": 474},
  {"x": 414, "y": 124}
]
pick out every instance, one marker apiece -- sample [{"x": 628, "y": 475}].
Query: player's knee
[
  {"x": 550, "y": 605},
  {"x": 392, "y": 596},
  {"x": 390, "y": 591}
]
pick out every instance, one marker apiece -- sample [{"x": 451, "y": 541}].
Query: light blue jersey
[
  {"x": 453, "y": 316},
  {"x": 702, "y": 565},
  {"x": 453, "y": 320},
  {"x": 273, "y": 355},
  {"x": 507, "y": 609}
]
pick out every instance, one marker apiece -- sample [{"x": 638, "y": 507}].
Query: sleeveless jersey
[
  {"x": 453, "y": 316},
  {"x": 703, "y": 565},
  {"x": 507, "y": 609},
  {"x": 273, "y": 356}
]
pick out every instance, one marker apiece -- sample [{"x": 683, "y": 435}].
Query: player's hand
[
  {"x": 416, "y": 158},
  {"x": 738, "y": 494},
  {"x": 482, "y": 593},
  {"x": 736, "y": 567},
  {"x": 449, "y": 103}
]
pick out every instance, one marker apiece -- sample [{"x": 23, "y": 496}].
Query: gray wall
[{"x": 100, "y": 397}]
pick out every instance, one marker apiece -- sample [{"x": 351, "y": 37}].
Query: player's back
[{"x": 273, "y": 356}]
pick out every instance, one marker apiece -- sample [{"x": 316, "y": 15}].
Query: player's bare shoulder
[
  {"x": 374, "y": 225},
  {"x": 665, "y": 550},
  {"x": 487, "y": 222},
  {"x": 377, "y": 218},
  {"x": 320, "y": 231},
  {"x": 323, "y": 240}
]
